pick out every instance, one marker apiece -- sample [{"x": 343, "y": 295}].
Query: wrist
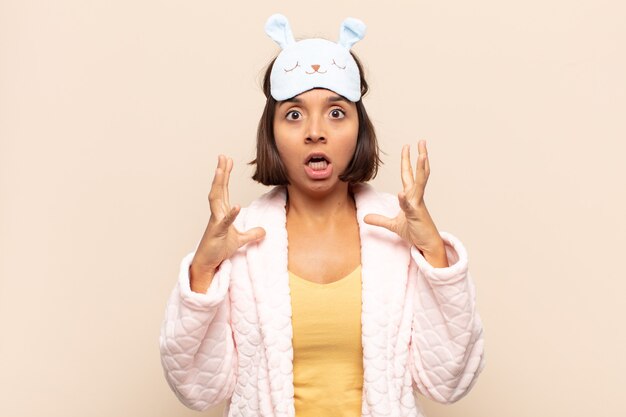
[
  {"x": 435, "y": 255},
  {"x": 200, "y": 277}
]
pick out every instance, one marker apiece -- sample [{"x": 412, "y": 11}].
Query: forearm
[
  {"x": 445, "y": 320},
  {"x": 197, "y": 353},
  {"x": 447, "y": 342},
  {"x": 197, "y": 348}
]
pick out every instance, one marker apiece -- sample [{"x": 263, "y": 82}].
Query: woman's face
[{"x": 316, "y": 135}]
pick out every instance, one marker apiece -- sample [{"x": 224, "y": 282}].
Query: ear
[
  {"x": 277, "y": 27},
  {"x": 351, "y": 31}
]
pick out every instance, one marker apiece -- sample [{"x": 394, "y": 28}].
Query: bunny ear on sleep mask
[
  {"x": 277, "y": 28},
  {"x": 351, "y": 31},
  {"x": 314, "y": 63}
]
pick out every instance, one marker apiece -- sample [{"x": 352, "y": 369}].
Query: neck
[{"x": 320, "y": 207}]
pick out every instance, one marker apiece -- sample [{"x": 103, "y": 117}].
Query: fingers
[
  {"x": 423, "y": 166},
  {"x": 251, "y": 235},
  {"x": 216, "y": 193},
  {"x": 379, "y": 220},
  {"x": 422, "y": 170},
  {"x": 227, "y": 170},
  {"x": 406, "y": 170},
  {"x": 218, "y": 196}
]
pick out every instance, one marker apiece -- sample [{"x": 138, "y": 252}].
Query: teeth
[{"x": 318, "y": 165}]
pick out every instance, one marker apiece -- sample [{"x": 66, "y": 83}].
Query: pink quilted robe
[{"x": 421, "y": 332}]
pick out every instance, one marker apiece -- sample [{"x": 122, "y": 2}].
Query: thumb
[
  {"x": 251, "y": 235},
  {"x": 379, "y": 220}
]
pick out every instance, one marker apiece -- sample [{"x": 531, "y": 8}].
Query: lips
[
  {"x": 318, "y": 166},
  {"x": 316, "y": 158}
]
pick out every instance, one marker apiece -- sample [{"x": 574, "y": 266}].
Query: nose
[
  {"x": 315, "y": 67},
  {"x": 315, "y": 130}
]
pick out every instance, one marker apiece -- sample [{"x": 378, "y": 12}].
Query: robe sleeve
[
  {"x": 446, "y": 350},
  {"x": 198, "y": 353}
]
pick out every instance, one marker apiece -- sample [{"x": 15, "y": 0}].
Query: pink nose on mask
[{"x": 315, "y": 67}]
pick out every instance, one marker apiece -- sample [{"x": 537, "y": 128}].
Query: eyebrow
[{"x": 331, "y": 99}]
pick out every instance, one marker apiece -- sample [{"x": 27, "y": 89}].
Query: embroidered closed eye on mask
[{"x": 314, "y": 63}]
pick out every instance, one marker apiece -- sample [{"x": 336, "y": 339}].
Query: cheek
[
  {"x": 350, "y": 137},
  {"x": 286, "y": 153},
  {"x": 281, "y": 153},
  {"x": 286, "y": 138},
  {"x": 350, "y": 151},
  {"x": 280, "y": 140}
]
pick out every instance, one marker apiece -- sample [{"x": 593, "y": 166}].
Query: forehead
[{"x": 316, "y": 95}]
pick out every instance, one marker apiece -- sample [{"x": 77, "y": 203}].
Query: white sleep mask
[{"x": 315, "y": 62}]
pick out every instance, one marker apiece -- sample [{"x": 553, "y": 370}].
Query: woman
[{"x": 323, "y": 297}]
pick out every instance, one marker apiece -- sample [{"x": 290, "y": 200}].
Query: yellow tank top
[{"x": 327, "y": 351}]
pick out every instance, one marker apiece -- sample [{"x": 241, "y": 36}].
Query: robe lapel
[
  {"x": 267, "y": 264},
  {"x": 384, "y": 264}
]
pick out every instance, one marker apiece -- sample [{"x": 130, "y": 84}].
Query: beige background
[{"x": 112, "y": 114}]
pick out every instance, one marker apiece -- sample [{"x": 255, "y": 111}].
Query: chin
[{"x": 325, "y": 187}]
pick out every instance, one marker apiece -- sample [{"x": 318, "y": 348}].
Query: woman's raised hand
[
  {"x": 414, "y": 223},
  {"x": 221, "y": 239}
]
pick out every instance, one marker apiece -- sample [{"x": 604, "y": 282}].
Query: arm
[
  {"x": 197, "y": 350},
  {"x": 197, "y": 347},
  {"x": 446, "y": 351},
  {"x": 446, "y": 346}
]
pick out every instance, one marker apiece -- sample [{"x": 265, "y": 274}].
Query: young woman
[{"x": 323, "y": 297}]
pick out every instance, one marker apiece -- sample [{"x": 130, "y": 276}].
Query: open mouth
[{"x": 317, "y": 162}]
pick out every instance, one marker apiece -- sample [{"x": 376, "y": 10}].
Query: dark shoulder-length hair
[{"x": 269, "y": 167}]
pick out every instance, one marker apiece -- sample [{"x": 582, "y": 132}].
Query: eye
[
  {"x": 337, "y": 65},
  {"x": 295, "y": 113},
  {"x": 294, "y": 67},
  {"x": 337, "y": 113}
]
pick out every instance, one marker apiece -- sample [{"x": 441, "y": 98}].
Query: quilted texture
[{"x": 421, "y": 332}]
